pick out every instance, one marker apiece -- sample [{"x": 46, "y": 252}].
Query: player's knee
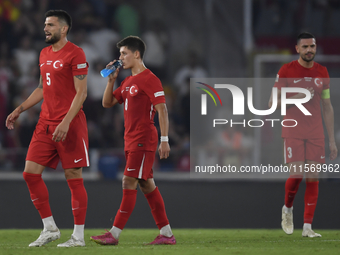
[
  {"x": 129, "y": 182},
  {"x": 31, "y": 178},
  {"x": 143, "y": 187},
  {"x": 147, "y": 186},
  {"x": 25, "y": 176},
  {"x": 73, "y": 173},
  {"x": 33, "y": 168},
  {"x": 146, "y": 190},
  {"x": 312, "y": 177}
]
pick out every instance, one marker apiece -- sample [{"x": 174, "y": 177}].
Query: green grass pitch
[{"x": 189, "y": 241}]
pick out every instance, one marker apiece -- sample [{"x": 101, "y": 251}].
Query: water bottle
[{"x": 111, "y": 68}]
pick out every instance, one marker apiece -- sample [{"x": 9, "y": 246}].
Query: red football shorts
[
  {"x": 73, "y": 152},
  {"x": 139, "y": 164},
  {"x": 304, "y": 149}
]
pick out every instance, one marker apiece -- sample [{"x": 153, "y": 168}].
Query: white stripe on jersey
[
  {"x": 86, "y": 154},
  {"x": 151, "y": 111},
  {"x": 284, "y": 148},
  {"x": 141, "y": 168}
]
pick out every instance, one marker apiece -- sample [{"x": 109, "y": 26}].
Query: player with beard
[
  {"x": 304, "y": 145},
  {"x": 61, "y": 132}
]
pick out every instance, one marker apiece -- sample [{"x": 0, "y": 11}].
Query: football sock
[
  {"x": 49, "y": 224},
  {"x": 78, "y": 231},
  {"x": 311, "y": 197},
  {"x": 291, "y": 187},
  {"x": 166, "y": 231},
  {"x": 39, "y": 194},
  {"x": 79, "y": 205},
  {"x": 288, "y": 210},
  {"x": 126, "y": 207},
  {"x": 157, "y": 206},
  {"x": 115, "y": 232},
  {"x": 307, "y": 226}
]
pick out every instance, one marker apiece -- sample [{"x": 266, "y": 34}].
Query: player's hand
[
  {"x": 311, "y": 90},
  {"x": 334, "y": 151},
  {"x": 60, "y": 132},
  {"x": 12, "y": 118},
  {"x": 303, "y": 95},
  {"x": 113, "y": 76},
  {"x": 164, "y": 150}
]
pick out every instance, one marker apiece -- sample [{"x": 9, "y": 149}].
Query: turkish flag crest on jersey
[
  {"x": 58, "y": 64},
  {"x": 318, "y": 82},
  {"x": 133, "y": 90}
]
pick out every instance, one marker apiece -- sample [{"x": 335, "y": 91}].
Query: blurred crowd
[
  {"x": 284, "y": 17},
  {"x": 175, "y": 53},
  {"x": 97, "y": 26}
]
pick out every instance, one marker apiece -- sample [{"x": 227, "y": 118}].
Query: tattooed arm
[
  {"x": 80, "y": 85},
  {"x": 33, "y": 99}
]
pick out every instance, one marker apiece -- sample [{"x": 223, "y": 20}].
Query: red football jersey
[
  {"x": 140, "y": 93},
  {"x": 57, "y": 70},
  {"x": 295, "y": 75}
]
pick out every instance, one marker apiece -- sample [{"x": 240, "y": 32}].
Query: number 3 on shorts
[{"x": 290, "y": 154}]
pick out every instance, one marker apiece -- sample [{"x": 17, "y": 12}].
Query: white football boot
[
  {"x": 287, "y": 221},
  {"x": 46, "y": 236},
  {"x": 308, "y": 232},
  {"x": 73, "y": 242}
]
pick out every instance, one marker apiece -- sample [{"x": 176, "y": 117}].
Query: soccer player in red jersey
[
  {"x": 304, "y": 145},
  {"x": 142, "y": 95},
  {"x": 61, "y": 132}
]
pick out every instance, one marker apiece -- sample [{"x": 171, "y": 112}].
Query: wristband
[{"x": 164, "y": 139}]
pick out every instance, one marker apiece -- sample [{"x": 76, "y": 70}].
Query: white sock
[
  {"x": 49, "y": 224},
  {"x": 166, "y": 231},
  {"x": 115, "y": 232},
  {"x": 288, "y": 210},
  {"x": 307, "y": 226},
  {"x": 78, "y": 231}
]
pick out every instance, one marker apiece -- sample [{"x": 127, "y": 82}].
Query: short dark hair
[
  {"x": 62, "y": 16},
  {"x": 133, "y": 43},
  {"x": 304, "y": 35}
]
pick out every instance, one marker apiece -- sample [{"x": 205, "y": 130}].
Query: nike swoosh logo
[
  {"x": 296, "y": 81},
  {"x": 123, "y": 211},
  {"x": 75, "y": 208},
  {"x": 310, "y": 204},
  {"x": 322, "y": 156},
  {"x": 77, "y": 160},
  {"x": 42, "y": 64},
  {"x": 129, "y": 169},
  {"x": 35, "y": 199}
]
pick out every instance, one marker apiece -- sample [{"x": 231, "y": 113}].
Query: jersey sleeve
[
  {"x": 154, "y": 90},
  {"x": 40, "y": 55},
  {"x": 326, "y": 80},
  {"x": 79, "y": 64},
  {"x": 281, "y": 78},
  {"x": 118, "y": 94}
]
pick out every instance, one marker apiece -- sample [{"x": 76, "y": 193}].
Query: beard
[
  {"x": 305, "y": 58},
  {"x": 54, "y": 38}
]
